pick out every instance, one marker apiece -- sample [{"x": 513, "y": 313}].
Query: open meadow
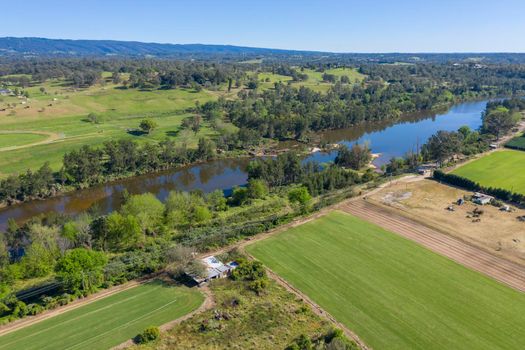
[
  {"x": 392, "y": 292},
  {"x": 107, "y": 322},
  {"x": 315, "y": 78},
  {"x": 62, "y": 111},
  {"x": 502, "y": 169}
]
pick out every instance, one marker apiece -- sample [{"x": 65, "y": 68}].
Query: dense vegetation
[{"x": 90, "y": 251}]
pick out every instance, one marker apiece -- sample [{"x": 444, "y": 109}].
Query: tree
[
  {"x": 196, "y": 268},
  {"x": 81, "y": 270},
  {"x": 499, "y": 121},
  {"x": 123, "y": 231},
  {"x": 299, "y": 195},
  {"x": 257, "y": 189},
  {"x": 442, "y": 145},
  {"x": 147, "y": 209},
  {"x": 93, "y": 118},
  {"x": 148, "y": 335},
  {"x": 147, "y": 125},
  {"x": 356, "y": 157}
]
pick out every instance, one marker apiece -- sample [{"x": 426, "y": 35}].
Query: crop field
[
  {"x": 499, "y": 169},
  {"x": 392, "y": 292},
  {"x": 107, "y": 322}
]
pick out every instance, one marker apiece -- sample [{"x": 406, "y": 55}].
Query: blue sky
[{"x": 325, "y": 25}]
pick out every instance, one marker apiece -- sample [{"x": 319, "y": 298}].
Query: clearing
[
  {"x": 392, "y": 292},
  {"x": 502, "y": 169},
  {"x": 107, "y": 322},
  {"x": 426, "y": 201}
]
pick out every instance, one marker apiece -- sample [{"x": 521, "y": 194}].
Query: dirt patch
[{"x": 496, "y": 231}]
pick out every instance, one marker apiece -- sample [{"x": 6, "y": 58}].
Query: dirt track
[
  {"x": 52, "y": 137},
  {"x": 463, "y": 253}
]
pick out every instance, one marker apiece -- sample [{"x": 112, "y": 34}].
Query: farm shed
[
  {"x": 480, "y": 198},
  {"x": 214, "y": 269}
]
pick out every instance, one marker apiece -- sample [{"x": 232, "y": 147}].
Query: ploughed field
[
  {"x": 503, "y": 169},
  {"x": 392, "y": 292},
  {"x": 107, "y": 322}
]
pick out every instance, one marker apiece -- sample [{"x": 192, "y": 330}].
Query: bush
[{"x": 148, "y": 335}]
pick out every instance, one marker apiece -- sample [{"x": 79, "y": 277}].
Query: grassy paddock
[
  {"x": 7, "y": 140},
  {"x": 393, "y": 293},
  {"x": 107, "y": 322},
  {"x": 502, "y": 169}
]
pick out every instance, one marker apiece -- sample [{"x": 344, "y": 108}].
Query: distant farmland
[
  {"x": 393, "y": 293},
  {"x": 502, "y": 169},
  {"x": 107, "y": 322}
]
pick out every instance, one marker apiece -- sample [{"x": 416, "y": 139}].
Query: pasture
[
  {"x": 63, "y": 110},
  {"x": 19, "y": 139},
  {"x": 501, "y": 169},
  {"x": 109, "y": 321},
  {"x": 315, "y": 78},
  {"x": 517, "y": 142},
  {"x": 393, "y": 293}
]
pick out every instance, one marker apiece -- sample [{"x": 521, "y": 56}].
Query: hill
[{"x": 28, "y": 47}]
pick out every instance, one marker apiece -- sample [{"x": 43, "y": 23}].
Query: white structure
[
  {"x": 482, "y": 199},
  {"x": 214, "y": 269}
]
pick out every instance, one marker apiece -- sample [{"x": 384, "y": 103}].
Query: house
[
  {"x": 482, "y": 199},
  {"x": 214, "y": 269},
  {"x": 493, "y": 145}
]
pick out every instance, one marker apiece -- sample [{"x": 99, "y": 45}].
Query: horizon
[
  {"x": 270, "y": 48},
  {"x": 329, "y": 26}
]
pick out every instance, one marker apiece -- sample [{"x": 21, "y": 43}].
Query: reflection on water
[
  {"x": 391, "y": 139},
  {"x": 219, "y": 174},
  {"x": 407, "y": 134}
]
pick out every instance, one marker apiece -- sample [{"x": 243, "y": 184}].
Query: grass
[
  {"x": 315, "y": 79},
  {"x": 7, "y": 140},
  {"x": 393, "y": 293},
  {"x": 63, "y": 110},
  {"x": 107, "y": 322},
  {"x": 270, "y": 321},
  {"x": 502, "y": 169}
]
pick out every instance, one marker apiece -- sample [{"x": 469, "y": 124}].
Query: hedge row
[{"x": 468, "y": 184}]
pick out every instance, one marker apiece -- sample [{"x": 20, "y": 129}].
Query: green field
[
  {"x": 7, "y": 140},
  {"x": 63, "y": 110},
  {"x": 499, "y": 169},
  {"x": 393, "y": 293},
  {"x": 107, "y": 322},
  {"x": 315, "y": 79}
]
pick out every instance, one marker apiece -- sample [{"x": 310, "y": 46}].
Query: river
[{"x": 389, "y": 139}]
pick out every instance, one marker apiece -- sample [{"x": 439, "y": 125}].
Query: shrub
[{"x": 148, "y": 335}]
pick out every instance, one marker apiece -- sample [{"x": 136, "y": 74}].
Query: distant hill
[
  {"x": 27, "y": 47},
  {"x": 65, "y": 47}
]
